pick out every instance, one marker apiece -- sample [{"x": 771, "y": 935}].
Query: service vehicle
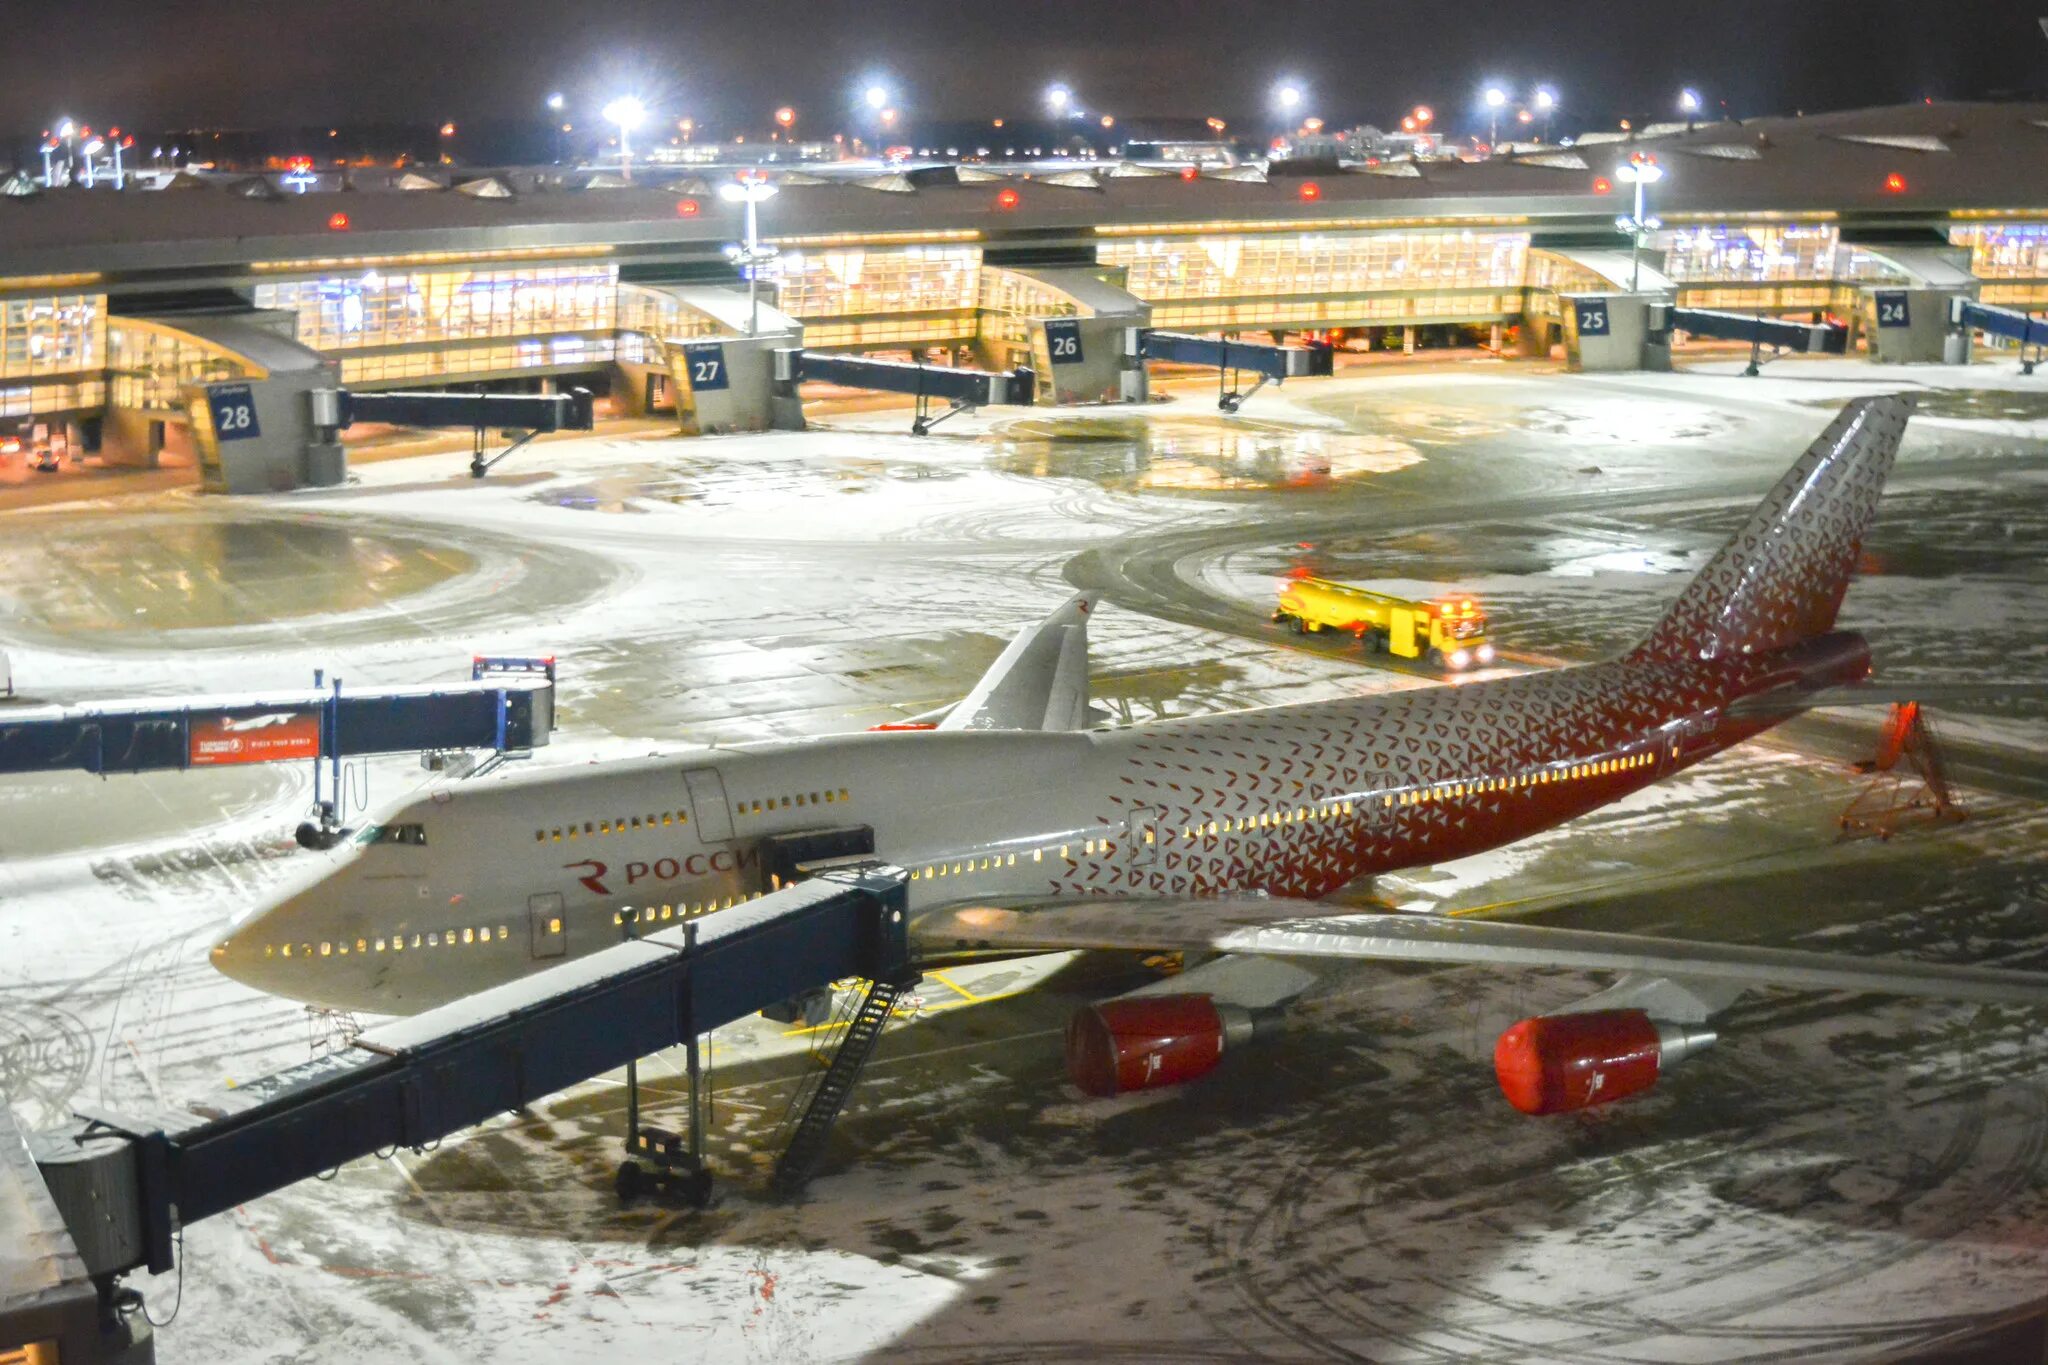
[{"x": 1449, "y": 634}]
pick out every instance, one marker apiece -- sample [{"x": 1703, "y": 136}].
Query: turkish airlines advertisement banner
[{"x": 255, "y": 737}]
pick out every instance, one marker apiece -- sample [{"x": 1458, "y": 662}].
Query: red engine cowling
[
  {"x": 1146, "y": 1041},
  {"x": 1560, "y": 1062}
]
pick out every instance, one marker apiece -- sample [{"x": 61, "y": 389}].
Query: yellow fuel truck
[{"x": 1449, "y": 634}]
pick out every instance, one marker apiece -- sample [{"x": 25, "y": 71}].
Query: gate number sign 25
[{"x": 1593, "y": 319}]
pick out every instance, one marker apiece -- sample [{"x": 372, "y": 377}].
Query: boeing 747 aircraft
[{"x": 1023, "y": 830}]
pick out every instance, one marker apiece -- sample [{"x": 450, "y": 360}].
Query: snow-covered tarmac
[{"x": 1841, "y": 1179}]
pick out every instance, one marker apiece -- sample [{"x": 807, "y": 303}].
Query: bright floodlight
[
  {"x": 1495, "y": 97},
  {"x": 1689, "y": 101},
  {"x": 747, "y": 192},
  {"x": 626, "y": 111},
  {"x": 1057, "y": 96},
  {"x": 94, "y": 146},
  {"x": 1639, "y": 172},
  {"x": 1288, "y": 96},
  {"x": 1546, "y": 98},
  {"x": 877, "y": 97},
  {"x": 556, "y": 102}
]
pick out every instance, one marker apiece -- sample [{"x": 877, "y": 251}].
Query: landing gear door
[
  {"x": 547, "y": 933},
  {"x": 708, "y": 807}
]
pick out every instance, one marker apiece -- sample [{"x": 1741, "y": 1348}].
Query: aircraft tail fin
[
  {"x": 1781, "y": 578},
  {"x": 1039, "y": 683}
]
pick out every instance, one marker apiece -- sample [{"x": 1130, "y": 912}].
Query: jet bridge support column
[
  {"x": 1619, "y": 331},
  {"x": 729, "y": 384}
]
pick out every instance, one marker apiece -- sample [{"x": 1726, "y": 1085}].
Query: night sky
[{"x": 236, "y": 63}]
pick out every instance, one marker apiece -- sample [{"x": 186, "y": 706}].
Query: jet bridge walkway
[
  {"x": 125, "y": 1183},
  {"x": 155, "y": 734},
  {"x": 962, "y": 389},
  {"x": 1229, "y": 356},
  {"x": 1824, "y": 338},
  {"x": 2008, "y": 323}
]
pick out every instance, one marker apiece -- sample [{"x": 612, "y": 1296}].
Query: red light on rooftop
[
  {"x": 337, "y": 222},
  {"x": 687, "y": 208},
  {"x": 1190, "y": 173},
  {"x": 1006, "y": 199},
  {"x": 1310, "y": 191},
  {"x": 1602, "y": 185},
  {"x": 1895, "y": 183}
]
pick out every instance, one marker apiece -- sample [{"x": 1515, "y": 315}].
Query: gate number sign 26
[
  {"x": 707, "y": 367},
  {"x": 1063, "y": 340}
]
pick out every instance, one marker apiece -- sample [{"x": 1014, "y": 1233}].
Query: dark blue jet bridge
[
  {"x": 1969, "y": 315},
  {"x": 962, "y": 389},
  {"x": 506, "y": 715},
  {"x": 127, "y": 1183},
  {"x": 518, "y": 416},
  {"x": 1230, "y": 357},
  {"x": 1825, "y": 338}
]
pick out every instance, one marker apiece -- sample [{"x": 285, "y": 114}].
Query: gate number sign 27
[{"x": 706, "y": 366}]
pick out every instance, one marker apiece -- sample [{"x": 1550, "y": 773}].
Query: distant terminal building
[{"x": 118, "y": 311}]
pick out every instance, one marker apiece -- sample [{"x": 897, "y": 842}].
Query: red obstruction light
[
  {"x": 688, "y": 208},
  {"x": 1190, "y": 173},
  {"x": 1006, "y": 199},
  {"x": 1602, "y": 185},
  {"x": 1310, "y": 191},
  {"x": 1895, "y": 183},
  {"x": 337, "y": 222}
]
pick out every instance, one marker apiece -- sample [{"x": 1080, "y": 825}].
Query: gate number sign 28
[{"x": 234, "y": 412}]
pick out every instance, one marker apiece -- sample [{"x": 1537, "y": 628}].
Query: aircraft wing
[
  {"x": 1305, "y": 929},
  {"x": 1788, "y": 699},
  {"x": 1040, "y": 682}
]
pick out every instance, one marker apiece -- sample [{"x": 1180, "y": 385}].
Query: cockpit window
[{"x": 415, "y": 835}]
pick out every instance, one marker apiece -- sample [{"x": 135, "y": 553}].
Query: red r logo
[{"x": 593, "y": 879}]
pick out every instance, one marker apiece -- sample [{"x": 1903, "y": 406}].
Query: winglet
[{"x": 1040, "y": 682}]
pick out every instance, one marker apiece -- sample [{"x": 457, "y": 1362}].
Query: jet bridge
[
  {"x": 126, "y": 1183},
  {"x": 1229, "y": 357},
  {"x": 521, "y": 416},
  {"x": 1824, "y": 338},
  {"x": 1967, "y": 315},
  {"x": 962, "y": 389}
]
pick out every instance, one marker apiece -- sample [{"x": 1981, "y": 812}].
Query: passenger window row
[
  {"x": 397, "y": 943},
  {"x": 768, "y": 803},
  {"x": 622, "y": 824},
  {"x": 1575, "y": 772},
  {"x": 649, "y": 914}
]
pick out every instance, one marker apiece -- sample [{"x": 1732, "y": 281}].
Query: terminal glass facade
[
  {"x": 1009, "y": 303},
  {"x": 52, "y": 354},
  {"x": 1767, "y": 266},
  {"x": 857, "y": 296},
  {"x": 1323, "y": 279},
  {"x": 2010, "y": 258},
  {"x": 147, "y": 364},
  {"x": 648, "y": 318},
  {"x": 454, "y": 322}
]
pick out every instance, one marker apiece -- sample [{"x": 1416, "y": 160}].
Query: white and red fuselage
[{"x": 490, "y": 879}]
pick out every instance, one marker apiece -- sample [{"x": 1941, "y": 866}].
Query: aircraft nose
[{"x": 249, "y": 952}]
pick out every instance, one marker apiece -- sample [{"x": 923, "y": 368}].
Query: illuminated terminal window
[
  {"x": 864, "y": 282},
  {"x": 1423, "y": 274},
  {"x": 2011, "y": 259},
  {"x": 56, "y": 335},
  {"x": 149, "y": 362},
  {"x": 409, "y": 307}
]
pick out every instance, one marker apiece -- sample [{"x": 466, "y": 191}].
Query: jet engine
[
  {"x": 1556, "y": 1063},
  {"x": 1141, "y": 1042}
]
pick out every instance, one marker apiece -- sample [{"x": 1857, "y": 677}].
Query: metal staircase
[{"x": 814, "y": 1113}]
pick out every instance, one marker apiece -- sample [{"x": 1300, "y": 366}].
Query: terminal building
[{"x": 121, "y": 314}]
